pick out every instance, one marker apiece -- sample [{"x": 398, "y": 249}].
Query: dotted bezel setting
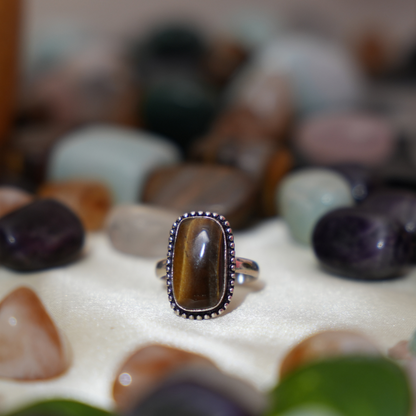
[{"x": 230, "y": 265}]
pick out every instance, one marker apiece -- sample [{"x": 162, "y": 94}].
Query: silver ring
[{"x": 201, "y": 269}]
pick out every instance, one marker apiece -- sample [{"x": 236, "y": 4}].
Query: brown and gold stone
[{"x": 199, "y": 273}]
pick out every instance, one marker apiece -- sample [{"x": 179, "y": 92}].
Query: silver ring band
[{"x": 246, "y": 270}]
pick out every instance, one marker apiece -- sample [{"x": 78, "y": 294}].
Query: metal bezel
[{"x": 229, "y": 268}]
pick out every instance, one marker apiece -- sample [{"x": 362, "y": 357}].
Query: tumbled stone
[
  {"x": 267, "y": 101},
  {"x": 396, "y": 204},
  {"x": 325, "y": 345},
  {"x": 345, "y": 138},
  {"x": 201, "y": 392},
  {"x": 90, "y": 200},
  {"x": 40, "y": 235},
  {"x": 120, "y": 158},
  {"x": 321, "y": 75},
  {"x": 198, "y": 271},
  {"x": 362, "y": 244},
  {"x": 60, "y": 407},
  {"x": 12, "y": 198},
  {"x": 140, "y": 230},
  {"x": 148, "y": 367},
  {"x": 31, "y": 345},
  {"x": 179, "y": 109},
  {"x": 353, "y": 386},
  {"x": 192, "y": 187},
  {"x": 306, "y": 195}
]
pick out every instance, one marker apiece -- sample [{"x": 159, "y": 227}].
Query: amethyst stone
[
  {"x": 187, "y": 398},
  {"x": 40, "y": 235},
  {"x": 361, "y": 244}
]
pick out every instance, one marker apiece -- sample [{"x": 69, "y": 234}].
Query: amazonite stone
[
  {"x": 306, "y": 195},
  {"x": 120, "y": 158}
]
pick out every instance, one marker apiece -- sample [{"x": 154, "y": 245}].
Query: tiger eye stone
[{"x": 198, "y": 264}]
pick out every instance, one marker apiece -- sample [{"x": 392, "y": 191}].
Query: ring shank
[{"x": 246, "y": 270}]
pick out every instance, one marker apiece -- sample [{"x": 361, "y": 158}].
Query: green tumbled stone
[
  {"x": 353, "y": 386},
  {"x": 198, "y": 265},
  {"x": 60, "y": 408}
]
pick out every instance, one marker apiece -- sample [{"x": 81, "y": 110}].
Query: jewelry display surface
[{"x": 108, "y": 304}]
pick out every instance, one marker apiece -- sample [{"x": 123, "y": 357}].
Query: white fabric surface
[{"x": 109, "y": 304}]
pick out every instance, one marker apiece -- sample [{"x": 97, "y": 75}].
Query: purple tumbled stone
[
  {"x": 361, "y": 244},
  {"x": 40, "y": 235}
]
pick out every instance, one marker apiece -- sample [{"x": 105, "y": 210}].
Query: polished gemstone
[
  {"x": 40, "y": 235},
  {"x": 325, "y": 345},
  {"x": 199, "y": 264},
  {"x": 303, "y": 197},
  {"x": 90, "y": 200},
  {"x": 31, "y": 346},
  {"x": 140, "y": 230},
  {"x": 345, "y": 138},
  {"x": 362, "y": 244},
  {"x": 320, "y": 75},
  {"x": 198, "y": 187},
  {"x": 200, "y": 391},
  {"x": 146, "y": 368},
  {"x": 120, "y": 158},
  {"x": 353, "y": 386},
  {"x": 179, "y": 109},
  {"x": 12, "y": 198}
]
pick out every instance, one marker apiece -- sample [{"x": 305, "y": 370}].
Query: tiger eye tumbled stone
[
  {"x": 196, "y": 187},
  {"x": 198, "y": 264}
]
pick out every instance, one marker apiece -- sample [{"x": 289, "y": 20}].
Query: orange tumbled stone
[
  {"x": 12, "y": 198},
  {"x": 198, "y": 269},
  {"x": 31, "y": 346},
  {"x": 325, "y": 345},
  {"x": 146, "y": 368},
  {"x": 91, "y": 201}
]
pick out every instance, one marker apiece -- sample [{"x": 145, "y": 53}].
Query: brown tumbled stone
[
  {"x": 189, "y": 187},
  {"x": 31, "y": 346},
  {"x": 146, "y": 368},
  {"x": 12, "y": 198},
  {"x": 325, "y": 345},
  {"x": 90, "y": 200},
  {"x": 198, "y": 264},
  {"x": 140, "y": 230}
]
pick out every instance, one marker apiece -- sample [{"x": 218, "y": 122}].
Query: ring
[{"x": 201, "y": 268}]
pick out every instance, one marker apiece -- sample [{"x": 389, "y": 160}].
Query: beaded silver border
[{"x": 230, "y": 265}]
